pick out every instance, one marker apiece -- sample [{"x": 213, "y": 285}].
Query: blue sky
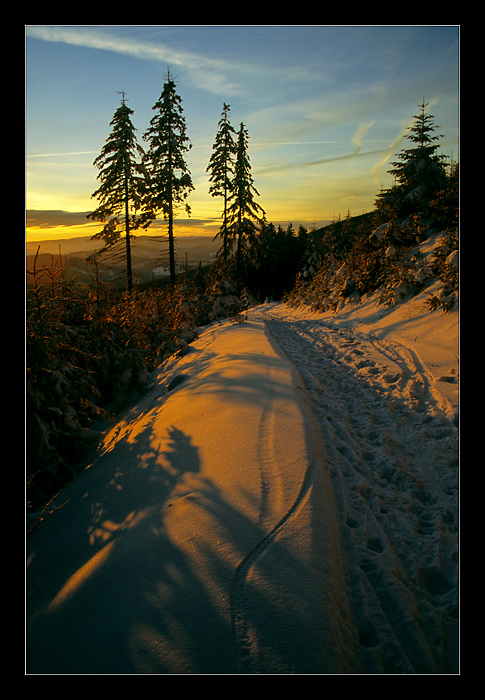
[{"x": 326, "y": 108}]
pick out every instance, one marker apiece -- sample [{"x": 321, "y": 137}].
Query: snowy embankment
[
  {"x": 202, "y": 538},
  {"x": 245, "y": 517}
]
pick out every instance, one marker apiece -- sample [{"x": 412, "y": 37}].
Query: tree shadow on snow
[
  {"x": 97, "y": 550},
  {"x": 118, "y": 580},
  {"x": 111, "y": 588}
]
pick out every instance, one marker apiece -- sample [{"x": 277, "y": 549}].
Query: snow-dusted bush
[
  {"x": 225, "y": 303},
  {"x": 89, "y": 351},
  {"x": 387, "y": 261},
  {"x": 225, "y": 306},
  {"x": 445, "y": 268}
]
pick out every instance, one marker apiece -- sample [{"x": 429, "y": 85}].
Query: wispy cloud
[
  {"x": 348, "y": 156},
  {"x": 389, "y": 152},
  {"x": 294, "y": 143},
  {"x": 205, "y": 72},
  {"x": 321, "y": 161},
  {"x": 48, "y": 218},
  {"x": 358, "y": 141},
  {"x": 58, "y": 218},
  {"x": 50, "y": 155},
  {"x": 361, "y": 133}
]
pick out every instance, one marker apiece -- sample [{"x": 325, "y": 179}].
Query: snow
[{"x": 283, "y": 500}]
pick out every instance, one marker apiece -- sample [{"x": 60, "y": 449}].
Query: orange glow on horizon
[
  {"x": 38, "y": 234},
  {"x": 43, "y": 233}
]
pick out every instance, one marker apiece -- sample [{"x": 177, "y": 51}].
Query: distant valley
[{"x": 149, "y": 257}]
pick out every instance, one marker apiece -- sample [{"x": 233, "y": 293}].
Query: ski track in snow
[
  {"x": 276, "y": 512},
  {"x": 392, "y": 450}
]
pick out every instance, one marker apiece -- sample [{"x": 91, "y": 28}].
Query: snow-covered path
[
  {"x": 202, "y": 539},
  {"x": 391, "y": 445},
  {"x": 284, "y": 500}
]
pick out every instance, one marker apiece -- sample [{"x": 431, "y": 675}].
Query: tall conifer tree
[
  {"x": 169, "y": 178},
  {"x": 419, "y": 173},
  {"x": 243, "y": 213},
  {"x": 221, "y": 169},
  {"x": 121, "y": 184}
]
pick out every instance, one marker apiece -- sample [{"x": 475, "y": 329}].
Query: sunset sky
[{"x": 326, "y": 109}]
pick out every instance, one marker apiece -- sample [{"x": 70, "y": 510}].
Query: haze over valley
[{"x": 149, "y": 257}]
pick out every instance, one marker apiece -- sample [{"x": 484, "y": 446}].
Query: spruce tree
[
  {"x": 121, "y": 184},
  {"x": 221, "y": 169},
  {"x": 243, "y": 213},
  {"x": 169, "y": 178},
  {"x": 419, "y": 173}
]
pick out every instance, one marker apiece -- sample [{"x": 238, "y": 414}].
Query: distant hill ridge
[{"x": 148, "y": 253}]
